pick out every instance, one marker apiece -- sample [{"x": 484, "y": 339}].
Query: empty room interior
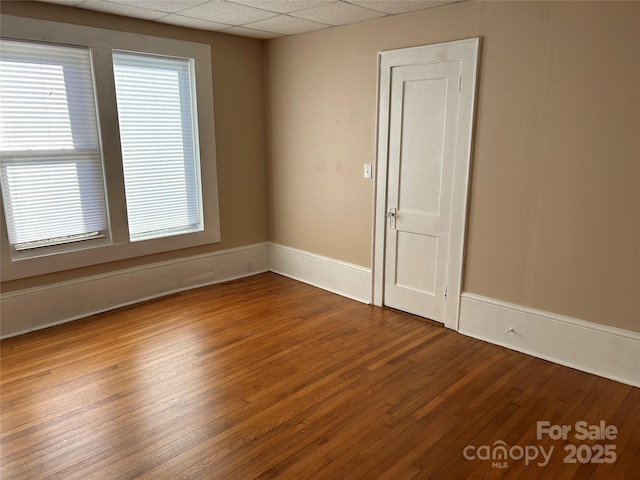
[{"x": 399, "y": 240}]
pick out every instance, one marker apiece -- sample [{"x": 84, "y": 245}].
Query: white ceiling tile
[
  {"x": 283, "y": 6},
  {"x": 338, "y": 13},
  {"x": 248, "y": 32},
  {"x": 169, "y": 6},
  {"x": 285, "y": 25},
  {"x": 222, "y": 11},
  {"x": 193, "y": 22},
  {"x": 64, "y": 2},
  {"x": 120, "y": 9},
  {"x": 397, "y": 6}
]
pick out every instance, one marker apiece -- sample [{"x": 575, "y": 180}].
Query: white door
[{"x": 426, "y": 118}]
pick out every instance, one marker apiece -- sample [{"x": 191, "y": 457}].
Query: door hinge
[
  {"x": 445, "y": 292},
  {"x": 460, "y": 84}
]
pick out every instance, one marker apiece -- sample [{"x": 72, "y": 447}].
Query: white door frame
[{"x": 467, "y": 52}]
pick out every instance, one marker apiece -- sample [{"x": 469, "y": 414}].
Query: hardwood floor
[{"x": 266, "y": 377}]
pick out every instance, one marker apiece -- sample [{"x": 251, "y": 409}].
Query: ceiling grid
[{"x": 263, "y": 19}]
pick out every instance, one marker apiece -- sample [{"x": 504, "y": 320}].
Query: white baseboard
[
  {"x": 40, "y": 307},
  {"x": 605, "y": 351},
  {"x": 346, "y": 279}
]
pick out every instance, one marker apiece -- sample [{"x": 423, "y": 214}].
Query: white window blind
[
  {"x": 159, "y": 149},
  {"x": 50, "y": 161}
]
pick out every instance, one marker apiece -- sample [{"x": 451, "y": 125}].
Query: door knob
[{"x": 391, "y": 215}]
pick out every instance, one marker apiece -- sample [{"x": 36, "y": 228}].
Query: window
[
  {"x": 100, "y": 157},
  {"x": 159, "y": 156},
  {"x": 51, "y": 167}
]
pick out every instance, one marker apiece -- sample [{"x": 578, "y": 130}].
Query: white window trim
[{"x": 102, "y": 42}]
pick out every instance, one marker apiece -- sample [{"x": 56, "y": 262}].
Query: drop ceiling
[{"x": 262, "y": 19}]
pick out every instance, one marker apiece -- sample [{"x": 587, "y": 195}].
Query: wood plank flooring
[{"x": 266, "y": 377}]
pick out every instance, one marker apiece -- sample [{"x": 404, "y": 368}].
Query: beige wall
[
  {"x": 554, "y": 218},
  {"x": 237, "y": 65}
]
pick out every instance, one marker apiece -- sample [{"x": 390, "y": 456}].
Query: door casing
[{"x": 465, "y": 51}]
